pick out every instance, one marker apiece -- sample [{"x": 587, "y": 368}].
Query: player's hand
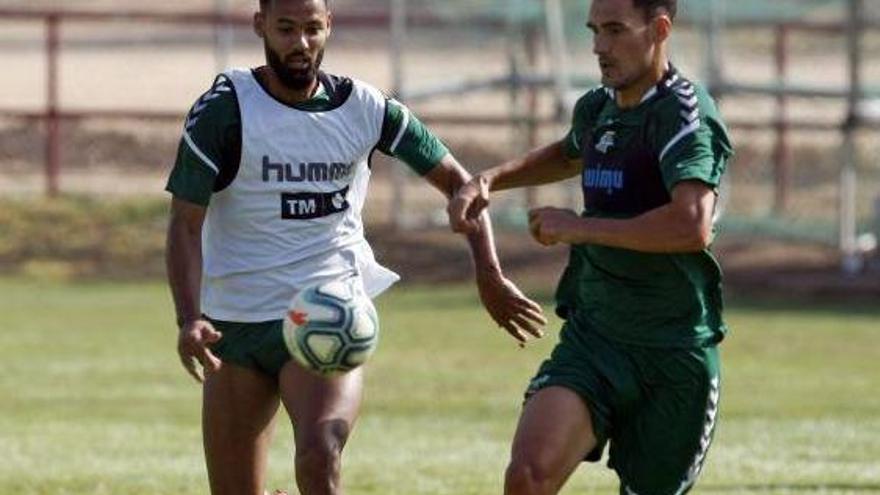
[
  {"x": 192, "y": 346},
  {"x": 521, "y": 317},
  {"x": 551, "y": 226},
  {"x": 465, "y": 208}
]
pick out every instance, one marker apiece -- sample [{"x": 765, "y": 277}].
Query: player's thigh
[
  {"x": 323, "y": 409},
  {"x": 238, "y": 408},
  {"x": 554, "y": 435},
  {"x": 662, "y": 448},
  {"x": 241, "y": 399}
]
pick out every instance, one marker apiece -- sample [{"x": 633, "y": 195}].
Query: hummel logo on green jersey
[{"x": 221, "y": 85}]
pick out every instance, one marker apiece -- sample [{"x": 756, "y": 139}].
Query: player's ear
[
  {"x": 329, "y": 23},
  {"x": 260, "y": 24},
  {"x": 661, "y": 28}
]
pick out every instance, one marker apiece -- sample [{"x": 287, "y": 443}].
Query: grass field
[{"x": 93, "y": 400}]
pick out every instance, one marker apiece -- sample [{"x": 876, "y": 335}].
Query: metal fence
[
  {"x": 496, "y": 77},
  {"x": 791, "y": 77}
]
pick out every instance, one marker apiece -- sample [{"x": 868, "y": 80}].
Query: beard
[{"x": 295, "y": 79}]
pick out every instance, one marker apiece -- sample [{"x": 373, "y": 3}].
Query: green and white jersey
[
  {"x": 632, "y": 160},
  {"x": 284, "y": 187}
]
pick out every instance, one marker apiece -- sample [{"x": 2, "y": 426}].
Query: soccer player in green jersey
[
  {"x": 268, "y": 187},
  {"x": 636, "y": 366}
]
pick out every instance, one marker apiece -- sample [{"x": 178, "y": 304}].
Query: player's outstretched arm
[
  {"x": 540, "y": 166},
  {"x": 183, "y": 260},
  {"x": 521, "y": 317},
  {"x": 682, "y": 225}
]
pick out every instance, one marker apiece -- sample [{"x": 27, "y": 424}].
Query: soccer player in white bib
[{"x": 268, "y": 187}]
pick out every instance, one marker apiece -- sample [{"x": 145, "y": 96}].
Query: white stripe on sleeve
[
  {"x": 192, "y": 145},
  {"x": 575, "y": 141},
  {"x": 402, "y": 130},
  {"x": 685, "y": 131}
]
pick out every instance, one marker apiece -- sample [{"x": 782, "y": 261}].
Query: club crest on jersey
[{"x": 606, "y": 142}]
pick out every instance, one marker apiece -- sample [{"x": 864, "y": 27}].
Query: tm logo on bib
[{"x": 306, "y": 206}]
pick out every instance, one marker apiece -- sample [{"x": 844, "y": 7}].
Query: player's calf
[{"x": 319, "y": 458}]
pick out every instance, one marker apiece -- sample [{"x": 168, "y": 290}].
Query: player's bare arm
[
  {"x": 683, "y": 225},
  {"x": 521, "y": 317},
  {"x": 543, "y": 165},
  {"x": 183, "y": 258}
]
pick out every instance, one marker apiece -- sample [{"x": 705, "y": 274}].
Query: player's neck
[
  {"x": 283, "y": 93},
  {"x": 631, "y": 96}
]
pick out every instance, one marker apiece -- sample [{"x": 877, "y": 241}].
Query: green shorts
[
  {"x": 656, "y": 407},
  {"x": 259, "y": 346}
]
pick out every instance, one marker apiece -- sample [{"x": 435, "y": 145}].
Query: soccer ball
[{"x": 331, "y": 327}]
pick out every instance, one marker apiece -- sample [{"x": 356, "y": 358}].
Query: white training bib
[{"x": 292, "y": 215}]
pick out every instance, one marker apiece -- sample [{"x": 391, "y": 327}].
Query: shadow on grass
[
  {"x": 462, "y": 294},
  {"x": 857, "y": 307},
  {"x": 772, "y": 487}
]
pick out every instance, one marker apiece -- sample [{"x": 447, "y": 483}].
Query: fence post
[
  {"x": 531, "y": 46},
  {"x": 53, "y": 124},
  {"x": 782, "y": 155},
  {"x": 714, "y": 51},
  {"x": 398, "y": 40},
  {"x": 850, "y": 257},
  {"x": 223, "y": 36}
]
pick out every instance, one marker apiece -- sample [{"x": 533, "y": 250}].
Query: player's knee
[
  {"x": 528, "y": 476},
  {"x": 319, "y": 455},
  {"x": 317, "y": 468}
]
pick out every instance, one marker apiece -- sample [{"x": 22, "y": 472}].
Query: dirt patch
[
  {"x": 86, "y": 147},
  {"x": 124, "y": 239},
  {"x": 438, "y": 256},
  {"x": 753, "y": 269},
  {"x": 795, "y": 271}
]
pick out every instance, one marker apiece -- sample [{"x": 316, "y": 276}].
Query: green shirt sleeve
[
  {"x": 572, "y": 139},
  {"x": 583, "y": 116},
  {"x": 693, "y": 142},
  {"x": 405, "y": 137},
  {"x": 210, "y": 145}
]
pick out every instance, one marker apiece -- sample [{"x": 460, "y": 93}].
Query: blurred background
[{"x": 94, "y": 93}]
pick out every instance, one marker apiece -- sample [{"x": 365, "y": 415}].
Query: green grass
[{"x": 93, "y": 400}]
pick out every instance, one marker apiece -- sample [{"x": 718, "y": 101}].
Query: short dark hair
[
  {"x": 653, "y": 8},
  {"x": 264, "y": 4}
]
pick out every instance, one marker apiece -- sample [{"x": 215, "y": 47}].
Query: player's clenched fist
[{"x": 550, "y": 225}]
